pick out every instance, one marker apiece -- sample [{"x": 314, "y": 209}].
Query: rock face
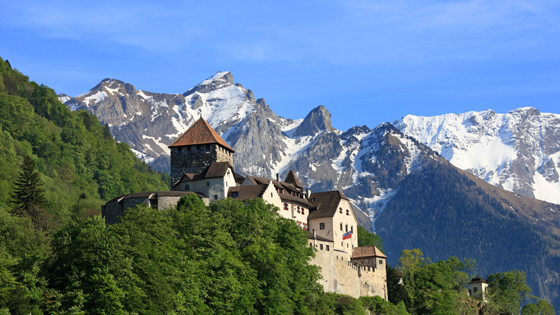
[
  {"x": 149, "y": 122},
  {"x": 518, "y": 151},
  {"x": 319, "y": 119}
]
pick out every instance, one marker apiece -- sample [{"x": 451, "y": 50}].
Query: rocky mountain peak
[
  {"x": 529, "y": 111},
  {"x": 319, "y": 119},
  {"x": 217, "y": 81}
]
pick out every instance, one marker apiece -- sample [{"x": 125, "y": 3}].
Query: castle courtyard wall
[{"x": 342, "y": 275}]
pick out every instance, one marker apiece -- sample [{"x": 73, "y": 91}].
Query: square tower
[{"x": 196, "y": 149}]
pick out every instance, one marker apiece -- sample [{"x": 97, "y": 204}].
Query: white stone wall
[
  {"x": 271, "y": 196},
  {"x": 327, "y": 232},
  {"x": 349, "y": 222},
  {"x": 341, "y": 275}
]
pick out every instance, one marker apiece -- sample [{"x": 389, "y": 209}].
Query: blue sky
[{"x": 368, "y": 62}]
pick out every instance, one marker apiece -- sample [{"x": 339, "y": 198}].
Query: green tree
[
  {"x": 367, "y": 238},
  {"x": 539, "y": 307},
  {"x": 28, "y": 194},
  {"x": 508, "y": 291}
]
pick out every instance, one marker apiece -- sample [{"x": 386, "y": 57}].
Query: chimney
[
  {"x": 314, "y": 234},
  {"x": 277, "y": 177},
  {"x": 308, "y": 193}
]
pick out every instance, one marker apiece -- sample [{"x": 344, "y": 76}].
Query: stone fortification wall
[
  {"x": 112, "y": 210},
  {"x": 341, "y": 275}
]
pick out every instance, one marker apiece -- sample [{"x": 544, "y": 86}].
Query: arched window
[{"x": 475, "y": 289}]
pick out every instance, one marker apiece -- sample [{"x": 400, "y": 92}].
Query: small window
[
  {"x": 188, "y": 150},
  {"x": 347, "y": 212},
  {"x": 197, "y": 149},
  {"x": 226, "y": 184},
  {"x": 475, "y": 289},
  {"x": 341, "y": 226},
  {"x": 271, "y": 195},
  {"x": 352, "y": 228},
  {"x": 207, "y": 183},
  {"x": 321, "y": 226},
  {"x": 380, "y": 262},
  {"x": 321, "y": 247},
  {"x": 180, "y": 150},
  {"x": 187, "y": 187},
  {"x": 285, "y": 206},
  {"x": 342, "y": 244},
  {"x": 340, "y": 210},
  {"x": 352, "y": 246},
  {"x": 327, "y": 248},
  {"x": 234, "y": 194},
  {"x": 346, "y": 227},
  {"x": 347, "y": 245},
  {"x": 215, "y": 197}
]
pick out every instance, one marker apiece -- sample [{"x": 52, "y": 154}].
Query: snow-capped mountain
[
  {"x": 366, "y": 164},
  {"x": 518, "y": 151},
  {"x": 149, "y": 122},
  {"x": 395, "y": 179}
]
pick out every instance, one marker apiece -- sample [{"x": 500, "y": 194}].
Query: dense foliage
[
  {"x": 229, "y": 258},
  {"x": 80, "y": 163},
  {"x": 440, "y": 288}
]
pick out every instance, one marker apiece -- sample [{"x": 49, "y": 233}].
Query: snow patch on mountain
[
  {"x": 218, "y": 75},
  {"x": 510, "y": 150}
]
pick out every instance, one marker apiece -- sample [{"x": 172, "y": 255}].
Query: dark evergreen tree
[{"x": 28, "y": 194}]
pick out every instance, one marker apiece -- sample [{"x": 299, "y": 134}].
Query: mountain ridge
[{"x": 369, "y": 165}]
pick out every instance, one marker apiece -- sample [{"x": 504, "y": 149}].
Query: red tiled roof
[
  {"x": 367, "y": 251},
  {"x": 200, "y": 133}
]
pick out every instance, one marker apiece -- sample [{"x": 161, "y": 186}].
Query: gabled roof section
[
  {"x": 292, "y": 179},
  {"x": 215, "y": 170},
  {"x": 264, "y": 181},
  {"x": 326, "y": 203},
  {"x": 200, "y": 133},
  {"x": 247, "y": 192},
  {"x": 367, "y": 251}
]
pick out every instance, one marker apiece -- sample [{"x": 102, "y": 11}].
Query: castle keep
[
  {"x": 197, "y": 149},
  {"x": 202, "y": 164}
]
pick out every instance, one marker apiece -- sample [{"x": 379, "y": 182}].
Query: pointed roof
[
  {"x": 292, "y": 179},
  {"x": 477, "y": 279},
  {"x": 200, "y": 133},
  {"x": 367, "y": 251}
]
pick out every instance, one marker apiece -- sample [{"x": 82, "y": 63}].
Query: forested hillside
[
  {"x": 445, "y": 213},
  {"x": 80, "y": 162}
]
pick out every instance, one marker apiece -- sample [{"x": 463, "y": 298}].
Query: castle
[{"x": 202, "y": 164}]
